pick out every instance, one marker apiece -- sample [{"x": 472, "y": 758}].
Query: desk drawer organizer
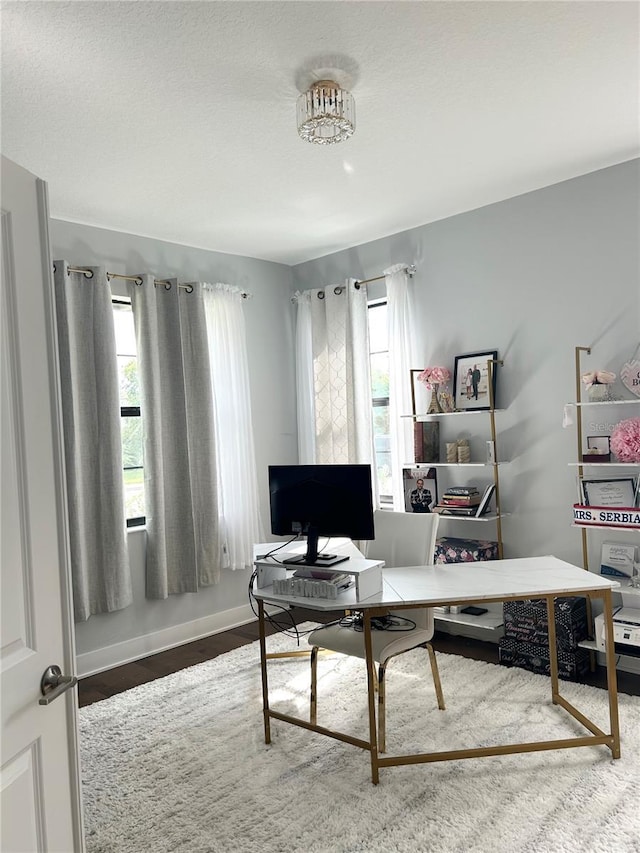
[
  {"x": 450, "y": 549},
  {"x": 526, "y": 636}
]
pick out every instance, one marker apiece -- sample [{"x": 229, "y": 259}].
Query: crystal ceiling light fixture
[{"x": 326, "y": 113}]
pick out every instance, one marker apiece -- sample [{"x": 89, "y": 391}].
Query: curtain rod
[
  {"x": 157, "y": 281},
  {"x": 411, "y": 270}
]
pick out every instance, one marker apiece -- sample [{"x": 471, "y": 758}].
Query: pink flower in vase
[{"x": 434, "y": 376}]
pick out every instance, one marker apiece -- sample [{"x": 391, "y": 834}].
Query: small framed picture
[
  {"x": 598, "y": 449},
  {"x": 617, "y": 492},
  {"x": 420, "y": 489},
  {"x": 471, "y": 380},
  {"x": 420, "y": 395}
]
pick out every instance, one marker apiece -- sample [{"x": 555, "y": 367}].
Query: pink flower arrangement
[
  {"x": 625, "y": 440},
  {"x": 434, "y": 376},
  {"x": 598, "y": 377}
]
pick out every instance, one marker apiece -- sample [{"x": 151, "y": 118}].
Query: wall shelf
[
  {"x": 408, "y": 465},
  {"x": 604, "y": 464},
  {"x": 492, "y": 621},
  {"x": 491, "y": 468},
  {"x": 581, "y": 403},
  {"x": 611, "y": 529},
  {"x": 449, "y": 414}
]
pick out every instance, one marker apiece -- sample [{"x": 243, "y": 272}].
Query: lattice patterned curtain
[{"x": 333, "y": 369}]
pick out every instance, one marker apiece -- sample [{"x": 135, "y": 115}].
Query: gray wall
[
  {"x": 532, "y": 277},
  {"x": 269, "y": 319}
]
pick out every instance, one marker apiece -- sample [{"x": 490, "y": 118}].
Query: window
[
  {"x": 131, "y": 420},
  {"x": 379, "y": 366}
]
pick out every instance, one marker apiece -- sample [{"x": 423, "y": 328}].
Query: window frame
[
  {"x": 386, "y": 500},
  {"x": 129, "y": 412}
]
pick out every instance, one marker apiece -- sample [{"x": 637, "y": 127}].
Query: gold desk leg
[
  {"x": 263, "y": 666},
  {"x": 371, "y": 682},
  {"x": 553, "y": 649},
  {"x": 612, "y": 678}
]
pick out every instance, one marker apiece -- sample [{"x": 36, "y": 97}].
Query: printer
[{"x": 626, "y": 631}]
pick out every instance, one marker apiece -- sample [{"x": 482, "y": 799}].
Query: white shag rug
[{"x": 180, "y": 764}]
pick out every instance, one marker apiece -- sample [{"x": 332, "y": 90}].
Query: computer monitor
[{"x": 321, "y": 500}]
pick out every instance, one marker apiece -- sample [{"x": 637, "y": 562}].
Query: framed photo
[
  {"x": 598, "y": 444},
  {"x": 485, "y": 504},
  {"x": 598, "y": 449},
  {"x": 420, "y": 489},
  {"x": 420, "y": 395},
  {"x": 618, "y": 492},
  {"x": 471, "y": 380}
]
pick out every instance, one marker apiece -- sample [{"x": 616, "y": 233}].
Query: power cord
[
  {"x": 270, "y": 556},
  {"x": 391, "y": 622},
  {"x": 289, "y": 630}
]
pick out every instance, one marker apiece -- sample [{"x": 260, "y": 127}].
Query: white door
[{"x": 41, "y": 808}]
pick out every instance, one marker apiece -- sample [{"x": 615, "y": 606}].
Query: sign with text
[{"x": 606, "y": 516}]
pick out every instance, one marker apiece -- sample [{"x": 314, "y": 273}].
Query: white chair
[{"x": 402, "y": 539}]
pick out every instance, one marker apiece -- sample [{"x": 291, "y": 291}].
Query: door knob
[{"x": 53, "y": 684}]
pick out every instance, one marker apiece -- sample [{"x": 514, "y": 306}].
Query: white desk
[{"x": 462, "y": 583}]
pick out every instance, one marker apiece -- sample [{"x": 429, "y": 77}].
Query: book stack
[
  {"x": 465, "y": 501},
  {"x": 460, "y": 500}
]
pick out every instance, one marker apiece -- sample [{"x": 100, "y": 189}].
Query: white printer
[{"x": 626, "y": 631}]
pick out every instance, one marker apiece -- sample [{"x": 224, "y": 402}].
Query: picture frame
[
  {"x": 621, "y": 491},
  {"x": 429, "y": 478},
  {"x": 598, "y": 449},
  {"x": 599, "y": 443},
  {"x": 471, "y": 381},
  {"x": 484, "y": 505},
  {"x": 420, "y": 394}
]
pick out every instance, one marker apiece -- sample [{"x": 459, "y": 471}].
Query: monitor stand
[{"x": 312, "y": 557}]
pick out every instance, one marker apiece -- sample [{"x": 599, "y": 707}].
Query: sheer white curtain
[
  {"x": 333, "y": 380},
  {"x": 402, "y": 357},
  {"x": 237, "y": 473},
  {"x": 93, "y": 449}
]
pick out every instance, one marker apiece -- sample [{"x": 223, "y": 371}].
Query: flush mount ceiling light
[{"x": 326, "y": 113}]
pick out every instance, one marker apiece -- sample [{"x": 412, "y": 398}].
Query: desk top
[{"x": 498, "y": 580}]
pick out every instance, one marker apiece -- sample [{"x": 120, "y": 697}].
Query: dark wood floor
[{"x": 113, "y": 681}]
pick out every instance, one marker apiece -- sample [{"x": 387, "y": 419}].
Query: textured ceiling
[{"x": 177, "y": 120}]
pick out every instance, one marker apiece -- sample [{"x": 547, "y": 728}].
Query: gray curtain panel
[
  {"x": 93, "y": 449},
  {"x": 183, "y": 544}
]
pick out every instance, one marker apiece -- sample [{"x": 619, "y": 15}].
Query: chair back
[{"x": 405, "y": 539}]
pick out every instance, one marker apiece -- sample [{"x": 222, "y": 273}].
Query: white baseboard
[{"x": 117, "y": 654}]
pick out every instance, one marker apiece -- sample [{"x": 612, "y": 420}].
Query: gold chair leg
[
  {"x": 436, "y": 676},
  {"x": 313, "y": 708},
  {"x": 382, "y": 732}
]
